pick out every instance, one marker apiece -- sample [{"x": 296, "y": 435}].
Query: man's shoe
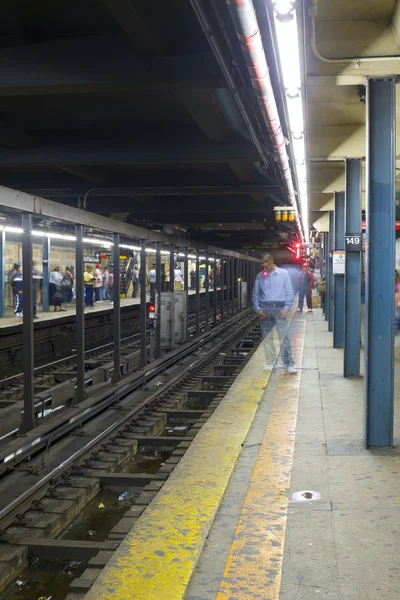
[
  {"x": 268, "y": 367},
  {"x": 299, "y": 310},
  {"x": 310, "y": 310},
  {"x": 291, "y": 370}
]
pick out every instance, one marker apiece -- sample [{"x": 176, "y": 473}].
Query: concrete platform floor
[
  {"x": 10, "y": 320},
  {"x": 342, "y": 543}
]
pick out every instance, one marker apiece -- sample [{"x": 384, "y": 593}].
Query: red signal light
[
  {"x": 298, "y": 245},
  {"x": 152, "y": 308}
]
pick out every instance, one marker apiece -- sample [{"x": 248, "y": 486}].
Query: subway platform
[
  {"x": 276, "y": 498},
  {"x": 10, "y": 320}
]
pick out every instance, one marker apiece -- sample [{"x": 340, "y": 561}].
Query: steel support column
[
  {"x": 215, "y": 291},
  {"x": 80, "y": 394},
  {"x": 207, "y": 296},
  {"x": 172, "y": 290},
  {"x": 157, "y": 301},
  {"x": 3, "y": 281},
  {"x": 228, "y": 286},
  {"x": 352, "y": 281},
  {"x": 338, "y": 302},
  {"x": 324, "y": 270},
  {"x": 197, "y": 293},
  {"x": 143, "y": 305},
  {"x": 233, "y": 286},
  {"x": 117, "y": 311},
  {"x": 380, "y": 261},
  {"x": 222, "y": 286},
  {"x": 240, "y": 279},
  {"x": 186, "y": 286},
  {"x": 28, "y": 417},
  {"x": 246, "y": 274},
  {"x": 46, "y": 274},
  {"x": 329, "y": 271}
]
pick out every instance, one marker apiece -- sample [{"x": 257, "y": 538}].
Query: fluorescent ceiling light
[
  {"x": 289, "y": 54},
  {"x": 283, "y": 7},
  {"x": 10, "y": 229},
  {"x": 106, "y": 243}
]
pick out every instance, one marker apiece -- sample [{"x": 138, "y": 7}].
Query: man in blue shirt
[{"x": 272, "y": 299}]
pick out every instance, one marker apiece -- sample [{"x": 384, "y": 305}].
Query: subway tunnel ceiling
[{"x": 124, "y": 94}]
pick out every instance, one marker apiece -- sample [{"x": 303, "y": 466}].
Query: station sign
[{"x": 353, "y": 242}]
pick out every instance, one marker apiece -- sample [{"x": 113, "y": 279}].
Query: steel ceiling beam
[
  {"x": 185, "y": 190},
  {"x": 95, "y": 63},
  {"x": 108, "y": 152},
  {"x": 47, "y": 209}
]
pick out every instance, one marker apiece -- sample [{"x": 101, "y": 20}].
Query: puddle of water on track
[
  {"x": 44, "y": 579},
  {"x": 147, "y": 462},
  {"x": 94, "y": 523}
]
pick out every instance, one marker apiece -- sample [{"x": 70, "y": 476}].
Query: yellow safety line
[
  {"x": 158, "y": 556},
  {"x": 254, "y": 566}
]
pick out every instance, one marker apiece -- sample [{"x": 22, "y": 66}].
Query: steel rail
[{"x": 66, "y": 464}]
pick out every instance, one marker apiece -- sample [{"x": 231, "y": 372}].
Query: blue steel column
[
  {"x": 186, "y": 287},
  {"x": 352, "y": 278},
  {"x": 80, "y": 394},
  {"x": 158, "y": 301},
  {"x": 172, "y": 290},
  {"x": 338, "y": 299},
  {"x": 215, "y": 291},
  {"x": 143, "y": 305},
  {"x": 116, "y": 311},
  {"x": 207, "y": 295},
  {"x": 197, "y": 304},
  {"x": 222, "y": 285},
  {"x": 28, "y": 418},
  {"x": 329, "y": 271},
  {"x": 380, "y": 261},
  {"x": 325, "y": 270},
  {"x": 46, "y": 273},
  {"x": 3, "y": 282},
  {"x": 228, "y": 286}
]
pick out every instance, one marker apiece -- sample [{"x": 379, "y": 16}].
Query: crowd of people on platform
[{"x": 98, "y": 286}]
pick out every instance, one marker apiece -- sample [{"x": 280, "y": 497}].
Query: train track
[
  {"x": 194, "y": 380},
  {"x": 62, "y": 371}
]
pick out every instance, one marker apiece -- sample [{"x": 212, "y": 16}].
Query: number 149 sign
[{"x": 353, "y": 243}]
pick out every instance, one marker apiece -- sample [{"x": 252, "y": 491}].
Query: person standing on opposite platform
[
  {"x": 272, "y": 299},
  {"x": 56, "y": 297},
  {"x": 88, "y": 280},
  {"x": 17, "y": 288},
  {"x": 37, "y": 278},
  {"x": 98, "y": 284},
  {"x": 152, "y": 280},
  {"x": 305, "y": 284},
  {"x": 193, "y": 279},
  {"x": 135, "y": 281},
  {"x": 178, "y": 278},
  {"x": 11, "y": 275}
]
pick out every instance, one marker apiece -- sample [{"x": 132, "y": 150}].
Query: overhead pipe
[
  {"x": 226, "y": 68},
  {"x": 245, "y": 21}
]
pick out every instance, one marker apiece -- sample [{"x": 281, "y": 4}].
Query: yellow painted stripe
[
  {"x": 254, "y": 566},
  {"x": 157, "y": 558}
]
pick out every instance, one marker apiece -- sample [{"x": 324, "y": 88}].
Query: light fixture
[
  {"x": 289, "y": 55},
  {"x": 283, "y": 9},
  {"x": 106, "y": 243},
  {"x": 10, "y": 229}
]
